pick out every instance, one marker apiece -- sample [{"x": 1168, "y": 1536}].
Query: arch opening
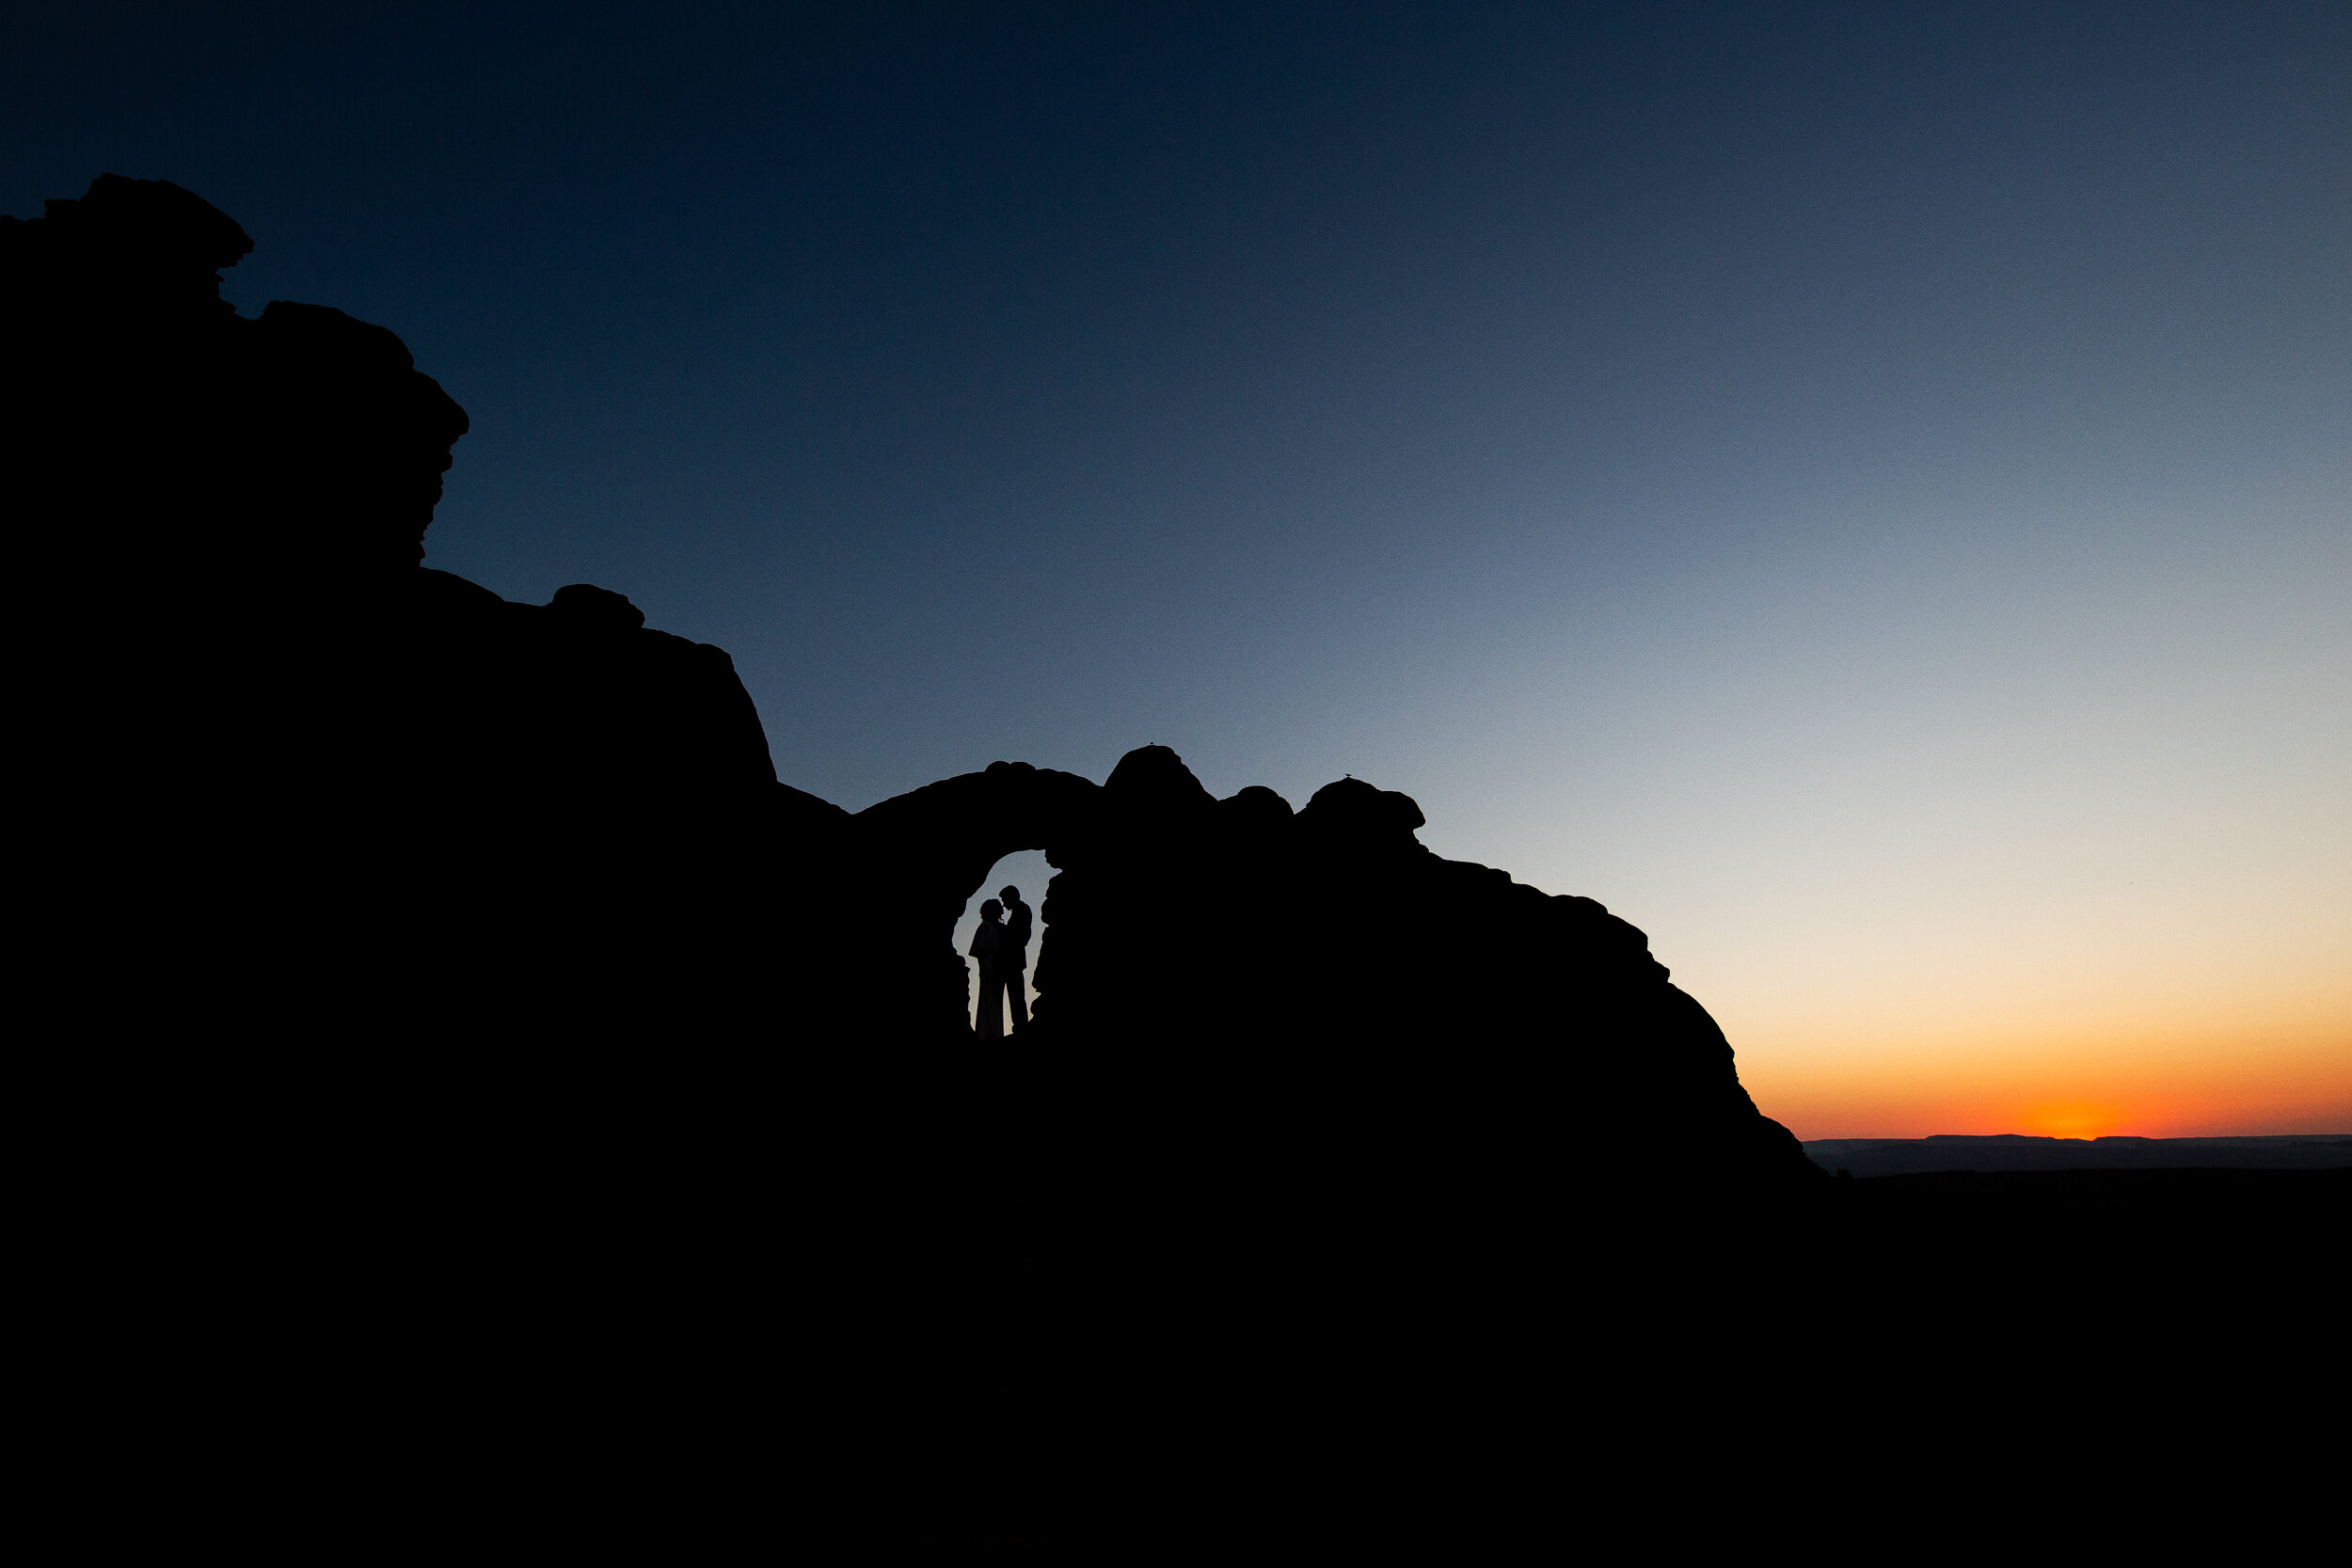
[{"x": 1028, "y": 870}]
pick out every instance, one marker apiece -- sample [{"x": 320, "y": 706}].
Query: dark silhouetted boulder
[{"x": 359, "y": 791}]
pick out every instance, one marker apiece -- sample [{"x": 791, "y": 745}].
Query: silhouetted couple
[{"x": 1002, "y": 946}]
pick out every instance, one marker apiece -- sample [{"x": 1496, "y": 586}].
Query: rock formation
[
  {"x": 439, "y": 805},
  {"x": 356, "y": 794},
  {"x": 1319, "y": 969},
  {"x": 508, "y": 899}
]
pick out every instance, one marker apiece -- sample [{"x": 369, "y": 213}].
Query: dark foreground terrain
[
  {"x": 1879, "y": 1356},
  {"x": 2093, "y": 1212}
]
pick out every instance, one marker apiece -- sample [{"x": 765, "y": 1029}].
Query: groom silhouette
[{"x": 1014, "y": 956}]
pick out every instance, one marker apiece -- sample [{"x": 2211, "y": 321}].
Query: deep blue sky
[{"x": 1861, "y": 490}]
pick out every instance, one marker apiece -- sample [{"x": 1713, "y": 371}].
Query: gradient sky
[{"x": 1863, "y": 492}]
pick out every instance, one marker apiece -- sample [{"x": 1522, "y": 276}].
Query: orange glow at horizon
[
  {"x": 2191, "y": 1085},
  {"x": 2070, "y": 1121},
  {"x": 1906, "y": 1029}
]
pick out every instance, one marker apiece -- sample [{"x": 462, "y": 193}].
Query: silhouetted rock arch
[
  {"x": 1318, "y": 975},
  {"x": 914, "y": 862}
]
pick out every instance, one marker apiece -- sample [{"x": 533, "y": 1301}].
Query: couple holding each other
[{"x": 1002, "y": 946}]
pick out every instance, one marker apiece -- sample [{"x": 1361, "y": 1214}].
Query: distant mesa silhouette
[{"x": 1947, "y": 1153}]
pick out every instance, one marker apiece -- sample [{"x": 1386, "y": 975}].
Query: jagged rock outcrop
[
  {"x": 359, "y": 795},
  {"x": 1320, "y": 975},
  {"x": 457, "y": 815},
  {"x": 488, "y": 931}
]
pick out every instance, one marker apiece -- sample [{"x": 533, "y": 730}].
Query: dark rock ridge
[
  {"x": 553, "y": 821},
  {"x": 323, "y": 787},
  {"x": 1321, "y": 968},
  {"x": 501, "y": 907}
]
